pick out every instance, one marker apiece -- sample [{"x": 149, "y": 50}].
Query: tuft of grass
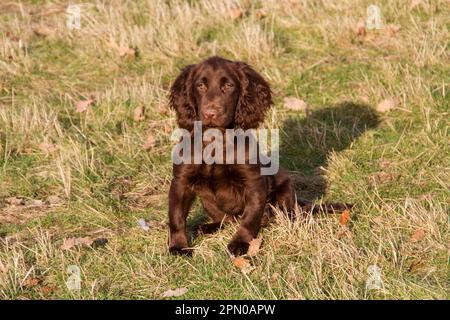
[{"x": 393, "y": 166}]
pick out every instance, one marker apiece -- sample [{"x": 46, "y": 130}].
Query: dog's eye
[
  {"x": 228, "y": 86},
  {"x": 201, "y": 86}
]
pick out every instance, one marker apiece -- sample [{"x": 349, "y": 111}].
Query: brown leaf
[
  {"x": 34, "y": 203},
  {"x": 345, "y": 217},
  {"x": 275, "y": 276},
  {"x": 139, "y": 114},
  {"x": 295, "y": 104},
  {"x": 54, "y": 200},
  {"x": 174, "y": 293},
  {"x": 344, "y": 232},
  {"x": 48, "y": 289},
  {"x": 68, "y": 244},
  {"x": 13, "y": 201},
  {"x": 72, "y": 242},
  {"x": 415, "y": 265},
  {"x": 26, "y": 150},
  {"x": 126, "y": 51},
  {"x": 361, "y": 28},
  {"x": 149, "y": 142},
  {"x": 243, "y": 265},
  {"x": 393, "y": 29},
  {"x": 47, "y": 146},
  {"x": 83, "y": 105},
  {"x": 253, "y": 249},
  {"x": 418, "y": 235},
  {"x": 382, "y": 177},
  {"x": 43, "y": 31},
  {"x": 236, "y": 13},
  {"x": 386, "y": 105},
  {"x": 240, "y": 262},
  {"x": 259, "y": 14},
  {"x": 31, "y": 282},
  {"x": 122, "y": 50},
  {"x": 3, "y": 269},
  {"x": 415, "y": 3}
]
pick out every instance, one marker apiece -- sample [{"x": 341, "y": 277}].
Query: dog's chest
[
  {"x": 224, "y": 184},
  {"x": 216, "y": 177}
]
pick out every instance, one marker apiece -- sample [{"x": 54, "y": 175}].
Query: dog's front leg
[
  {"x": 255, "y": 202},
  {"x": 180, "y": 201}
]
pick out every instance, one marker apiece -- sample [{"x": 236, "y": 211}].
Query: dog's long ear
[
  {"x": 254, "y": 100},
  {"x": 181, "y": 98}
]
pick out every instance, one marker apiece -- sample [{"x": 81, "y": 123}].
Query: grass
[{"x": 393, "y": 166}]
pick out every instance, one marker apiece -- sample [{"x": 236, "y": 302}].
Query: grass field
[{"x": 85, "y": 148}]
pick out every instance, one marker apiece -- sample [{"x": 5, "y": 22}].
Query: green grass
[{"x": 393, "y": 166}]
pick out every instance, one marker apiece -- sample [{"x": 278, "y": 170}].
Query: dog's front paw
[
  {"x": 238, "y": 248},
  {"x": 181, "y": 251}
]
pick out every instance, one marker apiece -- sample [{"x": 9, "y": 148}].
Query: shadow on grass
[{"x": 307, "y": 141}]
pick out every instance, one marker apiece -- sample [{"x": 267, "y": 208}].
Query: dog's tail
[{"x": 308, "y": 206}]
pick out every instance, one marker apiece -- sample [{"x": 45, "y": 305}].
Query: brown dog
[{"x": 223, "y": 94}]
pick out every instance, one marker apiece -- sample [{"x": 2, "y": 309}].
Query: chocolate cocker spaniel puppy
[{"x": 223, "y": 94}]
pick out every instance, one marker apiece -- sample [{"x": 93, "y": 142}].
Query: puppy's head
[{"x": 220, "y": 93}]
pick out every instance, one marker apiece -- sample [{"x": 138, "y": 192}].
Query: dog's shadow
[{"x": 306, "y": 142}]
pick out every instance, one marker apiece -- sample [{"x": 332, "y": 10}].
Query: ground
[{"x": 85, "y": 148}]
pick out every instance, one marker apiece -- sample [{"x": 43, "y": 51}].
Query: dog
[{"x": 224, "y": 94}]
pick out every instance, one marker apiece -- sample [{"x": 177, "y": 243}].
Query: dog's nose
[{"x": 209, "y": 115}]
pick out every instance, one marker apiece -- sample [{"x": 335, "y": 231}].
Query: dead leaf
[
  {"x": 416, "y": 265},
  {"x": 54, "y": 200},
  {"x": 157, "y": 224},
  {"x": 47, "y": 146},
  {"x": 139, "y": 114},
  {"x": 253, "y": 249},
  {"x": 175, "y": 292},
  {"x": 275, "y": 276},
  {"x": 240, "y": 262},
  {"x": 295, "y": 104},
  {"x": 34, "y": 203},
  {"x": 83, "y": 105},
  {"x": 150, "y": 142},
  {"x": 122, "y": 50},
  {"x": 68, "y": 244},
  {"x": 236, "y": 13},
  {"x": 361, "y": 28},
  {"x": 418, "y": 235},
  {"x": 126, "y": 51},
  {"x": 382, "y": 177},
  {"x": 345, "y": 217},
  {"x": 259, "y": 14},
  {"x": 415, "y": 3},
  {"x": 48, "y": 289},
  {"x": 13, "y": 201},
  {"x": 344, "y": 232},
  {"x": 243, "y": 265},
  {"x": 386, "y": 105},
  {"x": 43, "y": 31},
  {"x": 72, "y": 242},
  {"x": 162, "y": 110},
  {"x": 31, "y": 282},
  {"x": 393, "y": 29},
  {"x": 3, "y": 269},
  {"x": 27, "y": 150}
]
